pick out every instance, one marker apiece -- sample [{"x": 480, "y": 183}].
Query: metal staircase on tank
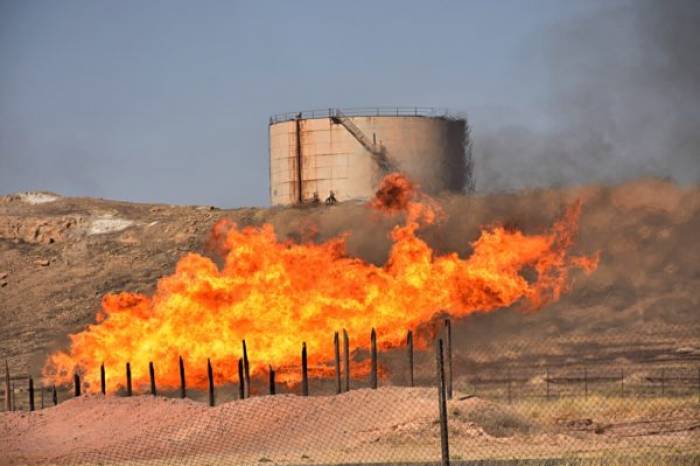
[{"x": 378, "y": 151}]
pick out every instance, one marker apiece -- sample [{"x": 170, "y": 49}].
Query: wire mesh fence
[{"x": 525, "y": 404}]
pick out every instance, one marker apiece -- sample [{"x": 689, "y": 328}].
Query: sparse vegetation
[{"x": 602, "y": 408}]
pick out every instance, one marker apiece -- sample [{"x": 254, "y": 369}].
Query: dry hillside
[{"x": 58, "y": 256}]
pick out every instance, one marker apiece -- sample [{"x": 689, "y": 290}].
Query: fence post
[
  {"x": 128, "y": 379},
  {"x": 546, "y": 379},
  {"x": 103, "y": 381},
  {"x": 272, "y": 381},
  {"x": 442, "y": 400},
  {"x": 585, "y": 383},
  {"x": 210, "y": 376},
  {"x": 346, "y": 357},
  {"x": 409, "y": 345},
  {"x": 31, "y": 394},
  {"x": 54, "y": 395},
  {"x": 304, "y": 372},
  {"x": 241, "y": 380},
  {"x": 246, "y": 370},
  {"x": 448, "y": 343},
  {"x": 76, "y": 382},
  {"x": 183, "y": 386},
  {"x": 152, "y": 376},
  {"x": 373, "y": 354},
  {"x": 8, "y": 401},
  {"x": 42, "y": 397},
  {"x": 336, "y": 347}
]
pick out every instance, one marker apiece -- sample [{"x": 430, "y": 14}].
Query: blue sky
[{"x": 168, "y": 101}]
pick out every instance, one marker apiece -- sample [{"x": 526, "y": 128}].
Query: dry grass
[
  {"x": 605, "y": 408},
  {"x": 594, "y": 431},
  {"x": 616, "y": 459}
]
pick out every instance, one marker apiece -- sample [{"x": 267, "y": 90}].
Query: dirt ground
[
  {"x": 638, "y": 311},
  {"x": 386, "y": 425}
]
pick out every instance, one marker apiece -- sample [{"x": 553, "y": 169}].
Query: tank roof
[{"x": 429, "y": 112}]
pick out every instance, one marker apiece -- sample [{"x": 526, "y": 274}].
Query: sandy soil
[
  {"x": 59, "y": 256},
  {"x": 385, "y": 425}
]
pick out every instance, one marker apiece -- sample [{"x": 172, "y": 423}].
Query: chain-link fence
[{"x": 532, "y": 402}]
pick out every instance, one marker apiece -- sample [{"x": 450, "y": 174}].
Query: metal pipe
[
  {"x": 442, "y": 400},
  {"x": 272, "y": 380},
  {"x": 210, "y": 376},
  {"x": 300, "y": 191},
  {"x": 373, "y": 353},
  {"x": 346, "y": 357},
  {"x": 241, "y": 380},
  {"x": 448, "y": 338},
  {"x": 304, "y": 372},
  {"x": 128, "y": 379},
  {"x": 31, "y": 394},
  {"x": 103, "y": 382},
  {"x": 183, "y": 387},
  {"x": 336, "y": 347},
  {"x": 246, "y": 370},
  {"x": 152, "y": 376},
  {"x": 409, "y": 345}
]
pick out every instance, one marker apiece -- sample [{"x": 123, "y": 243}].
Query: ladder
[{"x": 378, "y": 151}]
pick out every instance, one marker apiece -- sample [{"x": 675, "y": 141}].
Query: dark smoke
[{"x": 625, "y": 102}]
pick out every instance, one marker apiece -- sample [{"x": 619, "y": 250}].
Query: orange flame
[
  {"x": 276, "y": 295},
  {"x": 397, "y": 194}
]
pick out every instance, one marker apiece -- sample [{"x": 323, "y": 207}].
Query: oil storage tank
[{"x": 347, "y": 151}]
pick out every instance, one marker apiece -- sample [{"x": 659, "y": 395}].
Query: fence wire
[{"x": 560, "y": 402}]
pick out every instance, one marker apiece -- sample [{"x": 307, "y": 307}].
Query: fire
[
  {"x": 277, "y": 294},
  {"x": 397, "y": 194}
]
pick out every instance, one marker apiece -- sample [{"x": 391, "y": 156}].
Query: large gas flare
[{"x": 278, "y": 294}]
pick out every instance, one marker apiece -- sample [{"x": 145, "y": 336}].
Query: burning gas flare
[{"x": 277, "y": 294}]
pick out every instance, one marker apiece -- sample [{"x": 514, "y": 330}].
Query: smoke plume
[{"x": 625, "y": 94}]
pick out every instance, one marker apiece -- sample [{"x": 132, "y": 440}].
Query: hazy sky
[{"x": 169, "y": 101}]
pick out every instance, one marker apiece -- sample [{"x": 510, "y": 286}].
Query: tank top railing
[{"x": 366, "y": 112}]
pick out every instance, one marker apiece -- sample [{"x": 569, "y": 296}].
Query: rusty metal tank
[{"x": 347, "y": 152}]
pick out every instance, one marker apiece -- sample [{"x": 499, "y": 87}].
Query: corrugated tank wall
[{"x": 327, "y": 155}]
